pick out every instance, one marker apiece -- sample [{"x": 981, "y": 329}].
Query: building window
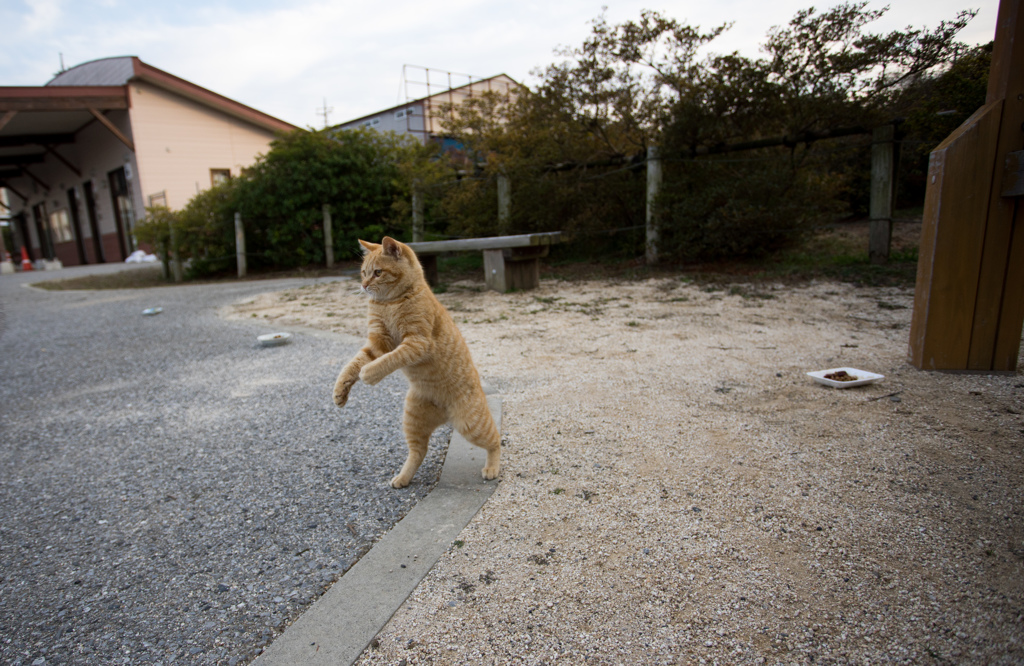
[
  {"x": 60, "y": 226},
  {"x": 158, "y": 200},
  {"x": 399, "y": 114},
  {"x": 219, "y": 176}
]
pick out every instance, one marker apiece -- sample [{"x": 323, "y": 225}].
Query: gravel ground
[
  {"x": 171, "y": 492},
  {"x": 675, "y": 489}
]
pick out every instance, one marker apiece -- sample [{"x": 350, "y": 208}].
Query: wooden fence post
[
  {"x": 653, "y": 185},
  {"x": 175, "y": 255},
  {"x": 883, "y": 178},
  {"x": 328, "y": 236},
  {"x": 504, "y": 203},
  {"x": 417, "y": 212},
  {"x": 240, "y": 245}
]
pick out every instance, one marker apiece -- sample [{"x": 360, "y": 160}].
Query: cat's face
[
  {"x": 387, "y": 271},
  {"x": 375, "y": 276}
]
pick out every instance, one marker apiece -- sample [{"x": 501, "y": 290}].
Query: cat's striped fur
[{"x": 409, "y": 330}]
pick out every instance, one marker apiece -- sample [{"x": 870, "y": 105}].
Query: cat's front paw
[
  {"x": 372, "y": 374},
  {"x": 341, "y": 390}
]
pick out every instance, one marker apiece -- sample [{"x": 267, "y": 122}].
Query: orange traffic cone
[{"x": 26, "y": 265}]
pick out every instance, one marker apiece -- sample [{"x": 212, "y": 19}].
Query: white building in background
[{"x": 420, "y": 117}]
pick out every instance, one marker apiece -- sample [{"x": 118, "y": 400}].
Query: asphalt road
[{"x": 170, "y": 491}]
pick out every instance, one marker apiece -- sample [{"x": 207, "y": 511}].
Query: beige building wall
[{"x": 178, "y": 142}]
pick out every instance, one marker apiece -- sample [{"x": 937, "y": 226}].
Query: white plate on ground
[
  {"x": 274, "y": 339},
  {"x": 152, "y": 311},
  {"x": 862, "y": 377}
]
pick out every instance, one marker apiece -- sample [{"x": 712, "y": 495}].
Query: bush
[
  {"x": 735, "y": 209},
  {"x": 206, "y": 230},
  {"x": 281, "y": 197}
]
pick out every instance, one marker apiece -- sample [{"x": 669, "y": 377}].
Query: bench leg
[
  {"x": 494, "y": 270},
  {"x": 523, "y": 274},
  {"x": 516, "y": 270},
  {"x": 429, "y": 264}
]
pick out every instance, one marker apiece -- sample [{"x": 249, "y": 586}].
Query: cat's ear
[
  {"x": 368, "y": 247},
  {"x": 392, "y": 248}
]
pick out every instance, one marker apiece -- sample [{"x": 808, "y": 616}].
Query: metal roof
[{"x": 115, "y": 71}]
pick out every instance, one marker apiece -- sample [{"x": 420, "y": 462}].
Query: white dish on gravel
[
  {"x": 152, "y": 311},
  {"x": 862, "y": 377},
  {"x": 274, "y": 339}
]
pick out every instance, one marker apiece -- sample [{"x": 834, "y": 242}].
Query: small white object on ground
[
  {"x": 860, "y": 377},
  {"x": 140, "y": 257},
  {"x": 274, "y": 339}
]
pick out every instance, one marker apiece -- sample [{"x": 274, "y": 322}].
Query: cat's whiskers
[{"x": 370, "y": 291}]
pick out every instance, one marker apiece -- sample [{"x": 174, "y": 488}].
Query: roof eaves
[{"x": 60, "y": 98}]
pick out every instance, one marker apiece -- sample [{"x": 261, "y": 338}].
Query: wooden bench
[{"x": 510, "y": 262}]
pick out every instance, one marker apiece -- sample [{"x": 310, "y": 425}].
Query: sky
[{"x": 293, "y": 59}]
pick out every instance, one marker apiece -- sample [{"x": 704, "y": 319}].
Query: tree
[
  {"x": 932, "y": 109},
  {"x": 575, "y": 144}
]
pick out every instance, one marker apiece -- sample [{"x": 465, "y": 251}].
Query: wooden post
[
  {"x": 653, "y": 185},
  {"x": 240, "y": 245},
  {"x": 968, "y": 306},
  {"x": 417, "y": 212},
  {"x": 504, "y": 203},
  {"x": 883, "y": 177},
  {"x": 328, "y": 236},
  {"x": 175, "y": 255},
  {"x": 999, "y": 312}
]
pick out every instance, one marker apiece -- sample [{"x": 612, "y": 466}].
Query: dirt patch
[{"x": 676, "y": 489}]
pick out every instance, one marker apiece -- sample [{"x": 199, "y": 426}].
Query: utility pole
[{"x": 324, "y": 111}]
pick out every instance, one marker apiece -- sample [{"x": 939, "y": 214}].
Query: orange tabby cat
[{"x": 411, "y": 331}]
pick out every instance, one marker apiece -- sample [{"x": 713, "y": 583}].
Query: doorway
[
  {"x": 94, "y": 225},
  {"x": 43, "y": 231},
  {"x": 76, "y": 225},
  {"x": 124, "y": 211}
]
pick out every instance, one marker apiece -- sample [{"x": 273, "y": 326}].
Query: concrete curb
[{"x": 337, "y": 628}]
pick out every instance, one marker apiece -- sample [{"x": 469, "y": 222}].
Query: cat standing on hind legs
[{"x": 409, "y": 330}]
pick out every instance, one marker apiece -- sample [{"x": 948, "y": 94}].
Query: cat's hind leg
[
  {"x": 422, "y": 418},
  {"x": 475, "y": 423}
]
